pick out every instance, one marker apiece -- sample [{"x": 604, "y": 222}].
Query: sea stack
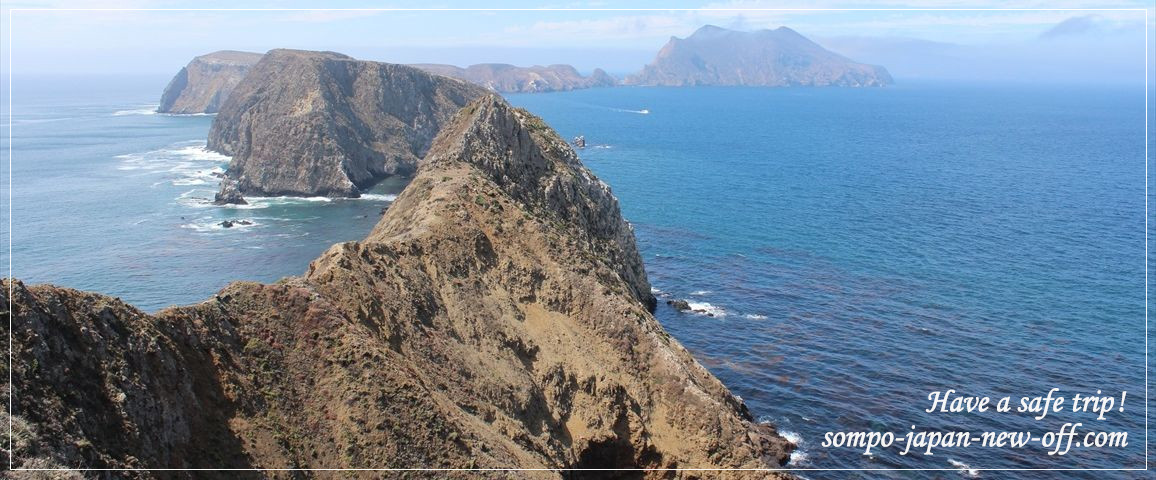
[
  {"x": 769, "y": 58},
  {"x": 229, "y": 194},
  {"x": 206, "y": 82},
  {"x": 306, "y": 123},
  {"x": 496, "y": 317},
  {"x": 500, "y": 77}
]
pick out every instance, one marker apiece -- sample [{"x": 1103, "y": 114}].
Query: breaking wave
[
  {"x": 704, "y": 308},
  {"x": 142, "y": 110}
]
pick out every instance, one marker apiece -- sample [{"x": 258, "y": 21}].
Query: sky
[{"x": 936, "y": 40}]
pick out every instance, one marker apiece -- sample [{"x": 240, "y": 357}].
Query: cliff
[
  {"x": 324, "y": 124},
  {"x": 203, "y": 85},
  {"x": 511, "y": 79},
  {"x": 497, "y": 316},
  {"x": 775, "y": 58}
]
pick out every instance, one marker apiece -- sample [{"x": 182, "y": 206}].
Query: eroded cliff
[
  {"x": 205, "y": 83},
  {"x": 323, "y": 124}
]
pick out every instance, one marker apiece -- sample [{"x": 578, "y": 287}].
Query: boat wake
[{"x": 626, "y": 110}]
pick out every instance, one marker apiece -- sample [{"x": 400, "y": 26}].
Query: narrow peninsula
[{"x": 498, "y": 316}]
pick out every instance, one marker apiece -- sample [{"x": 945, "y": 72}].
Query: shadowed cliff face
[
  {"x": 511, "y": 79},
  {"x": 321, "y": 123},
  {"x": 772, "y": 58},
  {"x": 206, "y": 82},
  {"x": 497, "y": 316}
]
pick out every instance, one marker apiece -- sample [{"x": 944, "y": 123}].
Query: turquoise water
[{"x": 857, "y": 247}]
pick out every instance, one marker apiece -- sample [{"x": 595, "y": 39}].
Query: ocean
[{"x": 850, "y": 250}]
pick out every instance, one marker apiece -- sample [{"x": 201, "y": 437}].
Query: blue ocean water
[
  {"x": 110, "y": 197},
  {"x": 858, "y": 248}
]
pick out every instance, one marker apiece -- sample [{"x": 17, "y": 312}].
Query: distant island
[
  {"x": 767, "y": 58},
  {"x": 206, "y": 82},
  {"x": 504, "y": 78}
]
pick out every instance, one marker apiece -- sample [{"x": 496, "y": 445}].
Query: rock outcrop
[
  {"x": 229, "y": 194},
  {"x": 497, "y": 316},
  {"x": 775, "y": 58},
  {"x": 505, "y": 78},
  {"x": 206, "y": 82},
  {"x": 323, "y": 124}
]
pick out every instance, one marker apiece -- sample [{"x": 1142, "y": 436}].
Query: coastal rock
[
  {"x": 323, "y": 124},
  {"x": 497, "y": 316},
  {"x": 229, "y": 194},
  {"x": 775, "y": 58},
  {"x": 505, "y": 78},
  {"x": 206, "y": 82},
  {"x": 234, "y": 223},
  {"x": 680, "y": 305}
]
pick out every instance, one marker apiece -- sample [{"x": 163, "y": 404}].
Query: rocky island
[
  {"x": 206, "y": 82},
  {"x": 504, "y": 78},
  {"x": 772, "y": 58},
  {"x": 307, "y": 123},
  {"x": 499, "y": 315}
]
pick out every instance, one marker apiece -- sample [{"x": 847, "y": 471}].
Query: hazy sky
[{"x": 1022, "y": 45}]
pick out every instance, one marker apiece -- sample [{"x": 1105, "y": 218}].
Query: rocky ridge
[
  {"x": 307, "y": 123},
  {"x": 775, "y": 58},
  {"x": 505, "y": 78},
  {"x": 205, "y": 83},
  {"x": 497, "y": 316}
]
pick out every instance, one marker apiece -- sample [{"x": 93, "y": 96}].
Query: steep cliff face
[
  {"x": 497, "y": 316},
  {"x": 324, "y": 124},
  {"x": 203, "y": 85},
  {"x": 505, "y": 78},
  {"x": 775, "y": 58}
]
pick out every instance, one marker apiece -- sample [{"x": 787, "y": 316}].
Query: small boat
[
  {"x": 580, "y": 142},
  {"x": 644, "y": 111}
]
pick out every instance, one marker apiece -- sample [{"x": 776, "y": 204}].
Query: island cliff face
[
  {"x": 206, "y": 82},
  {"x": 505, "y": 78},
  {"x": 497, "y": 316},
  {"x": 324, "y": 124},
  {"x": 775, "y": 58}
]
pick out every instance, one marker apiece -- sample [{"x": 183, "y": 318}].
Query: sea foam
[
  {"x": 704, "y": 308},
  {"x": 215, "y": 226},
  {"x": 383, "y": 197},
  {"x": 143, "y": 110}
]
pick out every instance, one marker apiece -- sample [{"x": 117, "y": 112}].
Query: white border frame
[{"x": 11, "y": 285}]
